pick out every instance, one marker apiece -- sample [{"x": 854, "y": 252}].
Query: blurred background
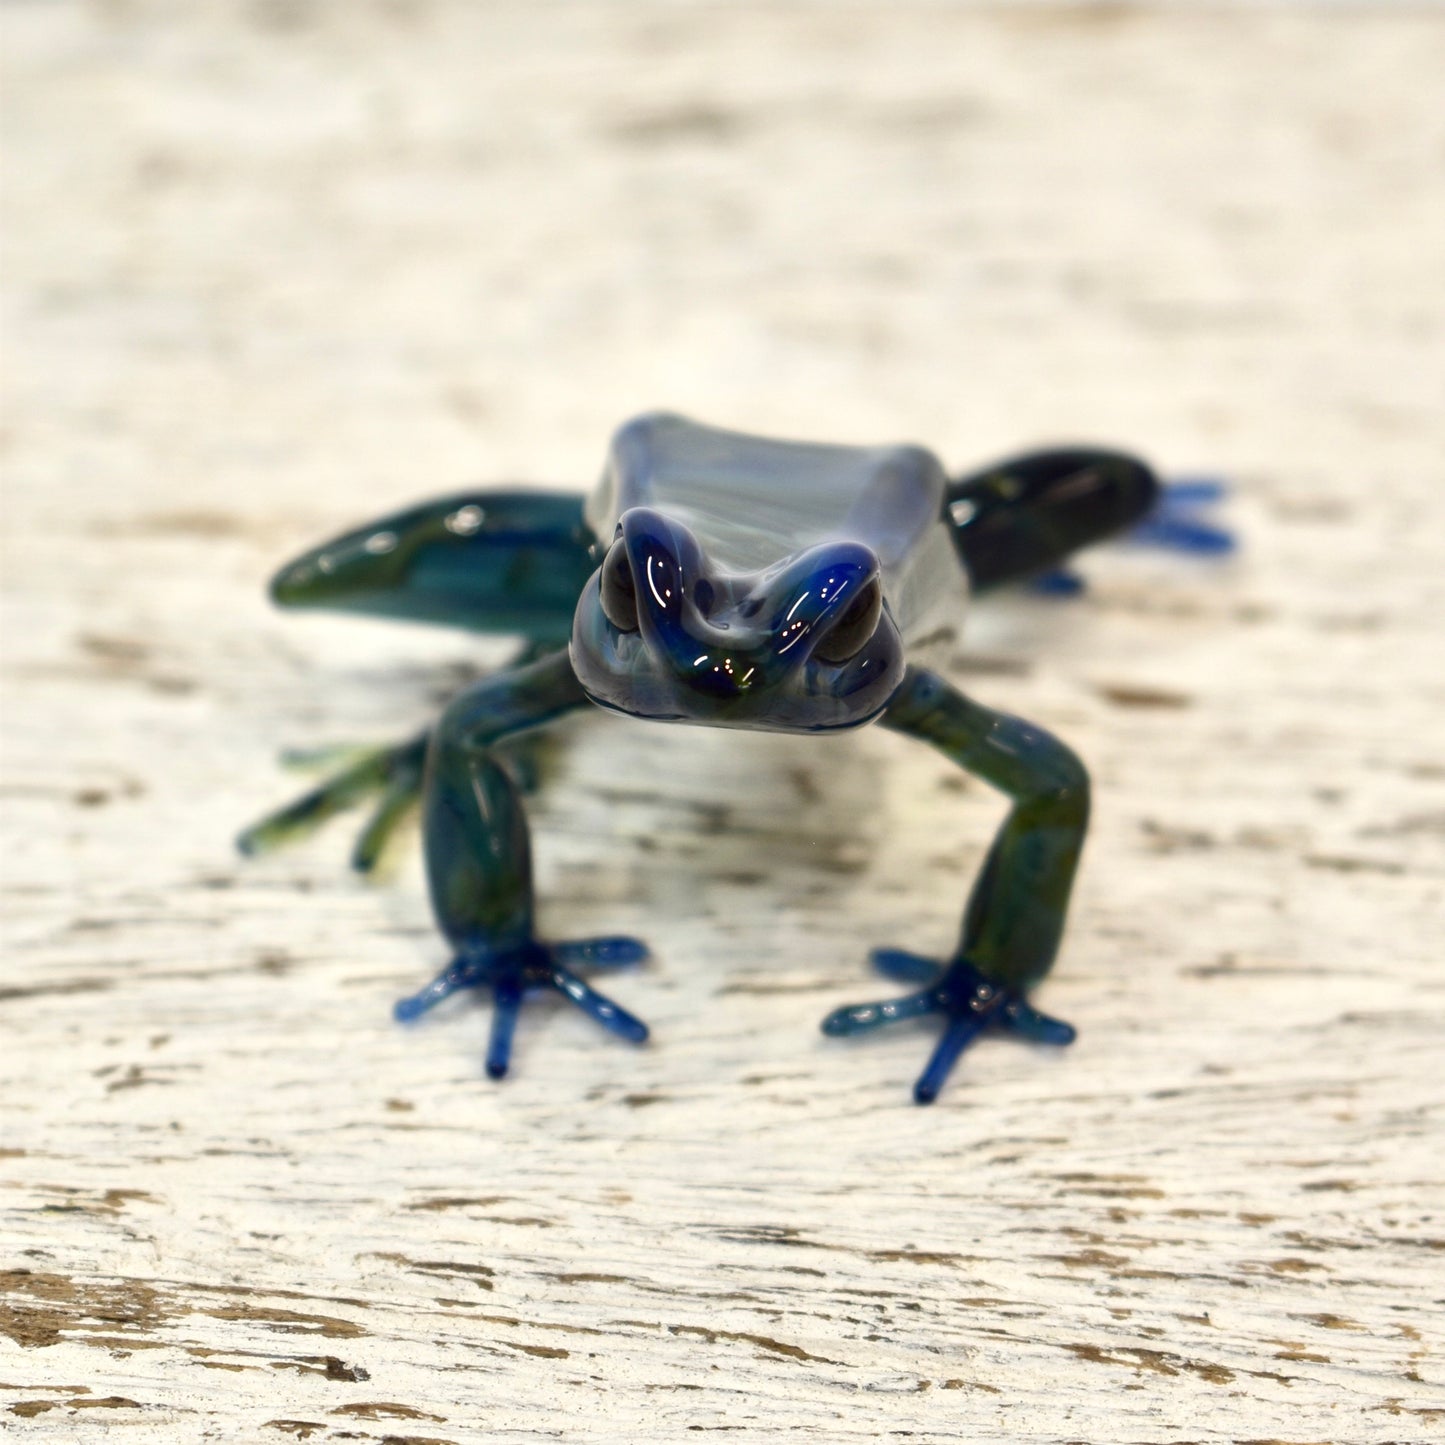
[{"x": 410, "y": 241}]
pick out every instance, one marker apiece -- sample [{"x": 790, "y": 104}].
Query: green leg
[
  {"x": 396, "y": 802},
  {"x": 393, "y": 774},
  {"x": 479, "y": 862},
  {"x": 1015, "y": 915}
]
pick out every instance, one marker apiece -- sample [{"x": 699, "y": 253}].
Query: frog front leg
[
  {"x": 1015, "y": 915},
  {"x": 479, "y": 863}
]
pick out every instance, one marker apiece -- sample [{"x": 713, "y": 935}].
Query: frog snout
[{"x": 718, "y": 654}]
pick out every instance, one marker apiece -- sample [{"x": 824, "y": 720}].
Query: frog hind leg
[
  {"x": 391, "y": 774},
  {"x": 1181, "y": 520},
  {"x": 479, "y": 865},
  {"x": 1014, "y": 920},
  {"x": 1025, "y": 515},
  {"x": 511, "y": 562},
  {"x": 1021, "y": 518}
]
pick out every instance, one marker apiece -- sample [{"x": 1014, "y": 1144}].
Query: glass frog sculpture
[{"x": 731, "y": 581}]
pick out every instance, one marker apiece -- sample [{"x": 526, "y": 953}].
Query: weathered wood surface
[{"x": 273, "y": 267}]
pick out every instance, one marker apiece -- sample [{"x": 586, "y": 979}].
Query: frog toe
[
  {"x": 905, "y": 967},
  {"x": 400, "y": 797},
  {"x": 460, "y": 973},
  {"x": 614, "y": 951},
  {"x": 610, "y": 1015},
  {"x": 1181, "y": 522},
  {"x": 394, "y": 772},
  {"x": 959, "y": 1034},
  {"x": 863, "y": 1018},
  {"x": 1028, "y": 1023},
  {"x": 514, "y": 972},
  {"x": 506, "y": 1007}
]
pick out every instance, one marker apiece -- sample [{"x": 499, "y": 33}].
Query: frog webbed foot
[
  {"x": 971, "y": 1002},
  {"x": 393, "y": 773},
  {"x": 513, "y": 972}
]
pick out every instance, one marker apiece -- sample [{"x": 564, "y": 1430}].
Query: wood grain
[{"x": 272, "y": 267}]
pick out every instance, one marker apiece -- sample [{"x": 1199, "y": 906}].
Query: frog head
[{"x": 806, "y": 645}]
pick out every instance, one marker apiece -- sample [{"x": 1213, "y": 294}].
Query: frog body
[{"x": 729, "y": 580}]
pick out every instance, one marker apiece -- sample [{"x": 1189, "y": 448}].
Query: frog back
[{"x": 753, "y": 502}]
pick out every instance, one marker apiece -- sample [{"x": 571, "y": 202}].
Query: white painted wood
[{"x": 273, "y": 267}]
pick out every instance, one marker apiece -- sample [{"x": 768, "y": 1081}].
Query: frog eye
[
  {"x": 616, "y": 589},
  {"x": 851, "y": 631}
]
